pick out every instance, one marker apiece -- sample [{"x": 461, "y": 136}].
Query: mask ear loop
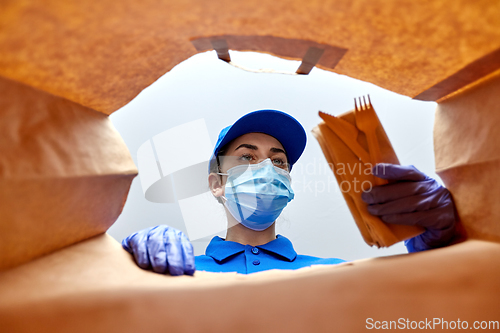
[{"x": 222, "y": 198}]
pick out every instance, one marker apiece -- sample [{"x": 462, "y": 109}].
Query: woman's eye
[
  {"x": 246, "y": 158},
  {"x": 279, "y": 162}
]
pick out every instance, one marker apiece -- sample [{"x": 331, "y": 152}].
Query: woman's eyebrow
[
  {"x": 253, "y": 147},
  {"x": 277, "y": 150},
  {"x": 246, "y": 145}
]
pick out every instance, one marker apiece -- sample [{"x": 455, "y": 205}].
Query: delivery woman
[{"x": 249, "y": 175}]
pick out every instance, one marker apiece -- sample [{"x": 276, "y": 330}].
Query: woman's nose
[{"x": 262, "y": 160}]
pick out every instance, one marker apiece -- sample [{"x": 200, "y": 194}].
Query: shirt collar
[{"x": 219, "y": 249}]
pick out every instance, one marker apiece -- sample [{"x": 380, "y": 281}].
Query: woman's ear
[{"x": 215, "y": 184}]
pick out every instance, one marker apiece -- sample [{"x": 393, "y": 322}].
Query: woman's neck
[{"x": 240, "y": 234}]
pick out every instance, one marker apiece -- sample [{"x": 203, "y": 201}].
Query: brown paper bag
[
  {"x": 65, "y": 173},
  {"x": 466, "y": 141},
  {"x": 354, "y": 177}
]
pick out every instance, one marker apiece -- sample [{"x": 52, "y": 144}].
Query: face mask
[{"x": 255, "y": 194}]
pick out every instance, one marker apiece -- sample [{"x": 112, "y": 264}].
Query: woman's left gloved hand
[{"x": 412, "y": 198}]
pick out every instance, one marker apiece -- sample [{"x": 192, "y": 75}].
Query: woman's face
[
  {"x": 249, "y": 148},
  {"x": 252, "y": 148}
]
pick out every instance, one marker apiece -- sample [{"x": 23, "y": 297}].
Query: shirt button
[
  {"x": 255, "y": 250},
  {"x": 256, "y": 262}
]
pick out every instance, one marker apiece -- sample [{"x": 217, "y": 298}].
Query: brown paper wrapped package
[
  {"x": 65, "y": 172},
  {"x": 354, "y": 177}
]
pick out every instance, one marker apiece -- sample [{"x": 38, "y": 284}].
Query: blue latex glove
[
  {"x": 163, "y": 249},
  {"x": 412, "y": 198}
]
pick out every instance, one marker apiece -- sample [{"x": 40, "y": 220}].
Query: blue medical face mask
[{"x": 255, "y": 194}]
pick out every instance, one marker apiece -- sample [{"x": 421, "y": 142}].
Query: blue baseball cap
[{"x": 286, "y": 129}]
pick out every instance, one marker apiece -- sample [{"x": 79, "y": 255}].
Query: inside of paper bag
[{"x": 63, "y": 67}]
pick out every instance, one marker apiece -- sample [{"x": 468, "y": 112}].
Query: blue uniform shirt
[{"x": 227, "y": 256}]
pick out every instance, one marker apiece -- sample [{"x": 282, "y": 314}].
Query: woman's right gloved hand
[{"x": 162, "y": 248}]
